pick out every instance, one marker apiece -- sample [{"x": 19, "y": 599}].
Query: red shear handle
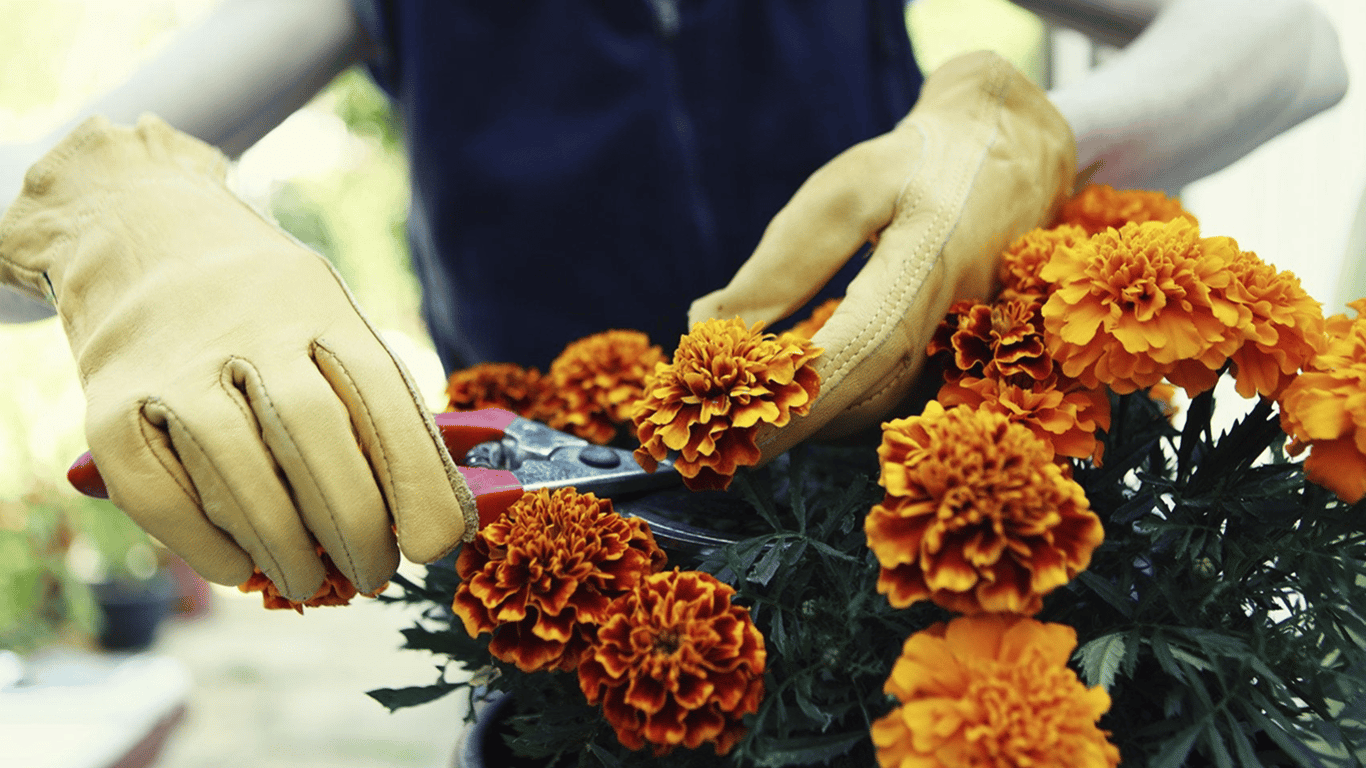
[
  {"x": 462, "y": 430},
  {"x": 84, "y": 476},
  {"x": 494, "y": 491}
]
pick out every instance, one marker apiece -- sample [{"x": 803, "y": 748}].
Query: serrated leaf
[
  {"x": 1298, "y": 752},
  {"x": 1175, "y": 751},
  {"x": 606, "y": 758},
  {"x": 1162, "y": 652},
  {"x": 395, "y": 699},
  {"x": 777, "y": 635},
  {"x": 1107, "y": 592},
  {"x": 1101, "y": 658},
  {"x": 1214, "y": 740},
  {"x": 741, "y": 555},
  {"x": 768, "y": 565},
  {"x": 1247, "y": 753},
  {"x": 808, "y": 751},
  {"x": 423, "y": 639}
]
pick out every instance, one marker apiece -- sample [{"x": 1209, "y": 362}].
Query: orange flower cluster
[
  {"x": 542, "y": 577},
  {"x": 1325, "y": 408},
  {"x": 498, "y": 385},
  {"x": 676, "y": 663},
  {"x": 1099, "y": 207},
  {"x": 992, "y": 690},
  {"x": 1022, "y": 261},
  {"x": 1285, "y": 331},
  {"x": 996, "y": 357},
  {"x": 596, "y": 382},
  {"x": 725, "y": 380},
  {"x": 1150, "y": 301},
  {"x": 336, "y": 589},
  {"x": 819, "y": 316},
  {"x": 977, "y": 516}
]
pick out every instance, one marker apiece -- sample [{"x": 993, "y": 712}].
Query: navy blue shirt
[{"x": 581, "y": 165}]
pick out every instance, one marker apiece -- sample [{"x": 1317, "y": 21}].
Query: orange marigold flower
[
  {"x": 1001, "y": 340},
  {"x": 1147, "y": 301},
  {"x": 1285, "y": 329},
  {"x": 808, "y": 327},
  {"x": 596, "y": 382},
  {"x": 336, "y": 589},
  {"x": 725, "y": 380},
  {"x": 1099, "y": 207},
  {"x": 1325, "y": 408},
  {"x": 977, "y": 516},
  {"x": 992, "y": 690},
  {"x": 1024, "y": 258},
  {"x": 676, "y": 663},
  {"x": 542, "y": 576},
  {"x": 497, "y": 385},
  {"x": 1065, "y": 420}
]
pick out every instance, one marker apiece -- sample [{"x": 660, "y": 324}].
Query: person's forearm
[
  {"x": 1207, "y": 82},
  {"x": 227, "y": 81},
  {"x": 239, "y": 73}
]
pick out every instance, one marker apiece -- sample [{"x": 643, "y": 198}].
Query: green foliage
[
  {"x": 810, "y": 583},
  {"x": 41, "y": 598},
  {"x": 1224, "y": 611}
]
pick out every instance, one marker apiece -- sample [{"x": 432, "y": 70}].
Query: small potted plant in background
[
  {"x": 76, "y": 570},
  {"x": 41, "y": 599}
]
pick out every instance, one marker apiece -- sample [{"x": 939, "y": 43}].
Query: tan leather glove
[
  {"x": 982, "y": 158},
  {"x": 239, "y": 405}
]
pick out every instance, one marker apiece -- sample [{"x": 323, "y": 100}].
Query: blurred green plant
[{"x": 355, "y": 215}]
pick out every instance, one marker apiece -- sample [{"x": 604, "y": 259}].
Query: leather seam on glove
[
  {"x": 390, "y": 495},
  {"x": 468, "y": 508},
  {"x": 987, "y": 108},
  {"x": 273, "y": 571},
  {"x": 349, "y": 565},
  {"x": 145, "y": 424}
]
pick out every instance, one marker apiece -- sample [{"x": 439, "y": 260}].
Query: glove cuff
[{"x": 72, "y": 184}]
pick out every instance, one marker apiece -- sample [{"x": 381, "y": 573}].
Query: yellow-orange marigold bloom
[
  {"x": 1023, "y": 259},
  {"x": 542, "y": 576},
  {"x": 1325, "y": 408},
  {"x": 336, "y": 589},
  {"x": 1002, "y": 340},
  {"x": 676, "y": 663},
  {"x": 1065, "y": 420},
  {"x": 596, "y": 382},
  {"x": 822, "y": 313},
  {"x": 497, "y": 385},
  {"x": 1099, "y": 207},
  {"x": 977, "y": 516},
  {"x": 1147, "y": 301},
  {"x": 992, "y": 690},
  {"x": 725, "y": 380},
  {"x": 1284, "y": 331}
]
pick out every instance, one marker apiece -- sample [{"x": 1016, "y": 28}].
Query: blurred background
[{"x": 270, "y": 688}]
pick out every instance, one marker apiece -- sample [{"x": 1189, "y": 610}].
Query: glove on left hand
[{"x": 982, "y": 158}]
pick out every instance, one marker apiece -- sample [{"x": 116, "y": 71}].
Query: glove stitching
[
  {"x": 170, "y": 416},
  {"x": 314, "y": 347},
  {"x": 268, "y": 403},
  {"x": 464, "y": 499},
  {"x": 911, "y": 277}
]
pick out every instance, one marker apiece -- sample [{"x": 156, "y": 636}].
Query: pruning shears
[{"x": 502, "y": 455}]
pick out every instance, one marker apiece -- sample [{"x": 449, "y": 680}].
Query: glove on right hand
[{"x": 239, "y": 407}]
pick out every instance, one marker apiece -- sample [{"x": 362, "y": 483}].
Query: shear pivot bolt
[{"x": 599, "y": 456}]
